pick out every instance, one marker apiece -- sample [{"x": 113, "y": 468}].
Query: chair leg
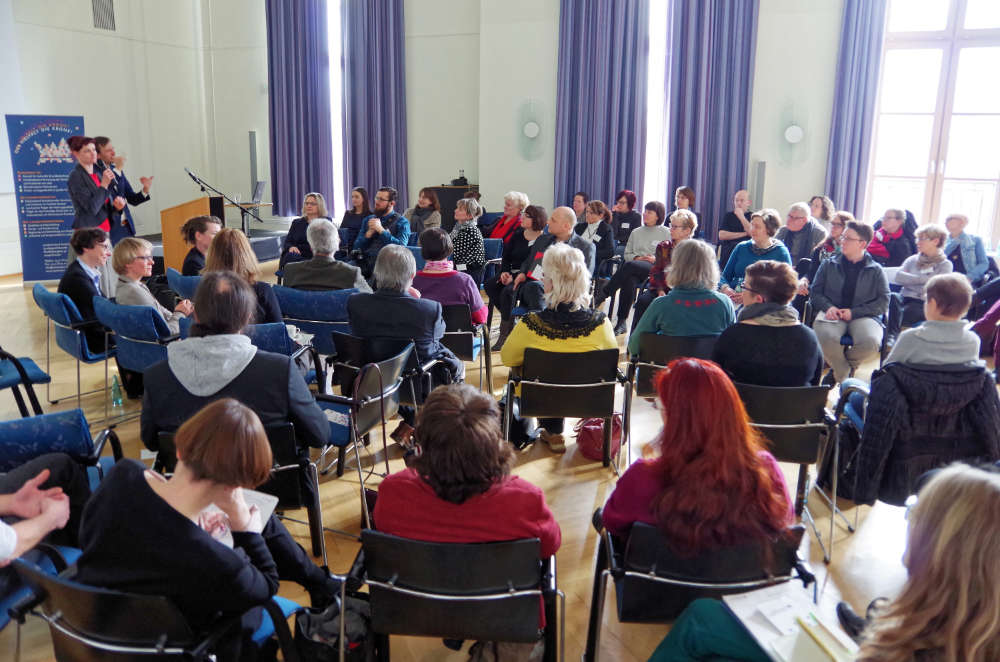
[
  {"x": 79, "y": 397},
  {"x": 361, "y": 478},
  {"x": 20, "y": 401},
  {"x": 606, "y": 445},
  {"x": 800, "y": 490},
  {"x": 627, "y": 422},
  {"x": 316, "y": 517},
  {"x": 381, "y": 647},
  {"x": 48, "y": 356},
  {"x": 341, "y": 456},
  {"x": 597, "y": 598},
  {"x": 33, "y": 399}
]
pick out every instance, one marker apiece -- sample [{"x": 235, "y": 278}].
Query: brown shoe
[
  {"x": 555, "y": 442},
  {"x": 402, "y": 434}
]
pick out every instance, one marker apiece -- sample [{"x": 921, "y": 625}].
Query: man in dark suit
[
  {"x": 83, "y": 279},
  {"x": 217, "y": 361},
  {"x": 322, "y": 271},
  {"x": 121, "y": 191}
]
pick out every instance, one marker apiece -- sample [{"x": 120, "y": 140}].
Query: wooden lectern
[{"x": 173, "y": 218}]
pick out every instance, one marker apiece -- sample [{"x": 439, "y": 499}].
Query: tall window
[
  {"x": 340, "y": 198},
  {"x": 937, "y": 137}
]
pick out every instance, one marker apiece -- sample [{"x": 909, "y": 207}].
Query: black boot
[{"x": 506, "y": 326}]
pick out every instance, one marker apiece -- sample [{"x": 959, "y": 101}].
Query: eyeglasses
[
  {"x": 381, "y": 199},
  {"x": 853, "y": 239},
  {"x": 837, "y": 225},
  {"x": 797, "y": 218},
  {"x": 147, "y": 258}
]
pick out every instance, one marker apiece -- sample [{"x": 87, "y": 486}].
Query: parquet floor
[{"x": 865, "y": 564}]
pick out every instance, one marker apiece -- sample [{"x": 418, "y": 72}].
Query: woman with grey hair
[
  {"x": 929, "y": 261},
  {"x": 514, "y": 203},
  {"x": 692, "y": 307},
  {"x": 566, "y": 324},
  {"x": 395, "y": 311},
  {"x": 296, "y": 246},
  {"x": 469, "y": 253}
]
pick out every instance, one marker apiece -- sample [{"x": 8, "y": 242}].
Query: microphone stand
[{"x": 244, "y": 211}]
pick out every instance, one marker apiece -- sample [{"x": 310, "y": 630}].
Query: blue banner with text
[{"x": 41, "y": 160}]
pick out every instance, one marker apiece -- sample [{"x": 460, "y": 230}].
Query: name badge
[
  {"x": 460, "y": 267},
  {"x": 537, "y": 273}
]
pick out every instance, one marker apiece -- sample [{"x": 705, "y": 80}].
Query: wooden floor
[{"x": 865, "y": 565}]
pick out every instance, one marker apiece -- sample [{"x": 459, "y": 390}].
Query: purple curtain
[
  {"x": 601, "y": 108},
  {"x": 861, "y": 35},
  {"x": 710, "y": 70},
  {"x": 374, "y": 96},
  {"x": 298, "y": 70}
]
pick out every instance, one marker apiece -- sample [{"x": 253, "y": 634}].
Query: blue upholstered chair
[
  {"x": 17, "y": 372},
  {"x": 467, "y": 340},
  {"x": 63, "y": 314},
  {"x": 185, "y": 286},
  {"x": 494, "y": 251},
  {"x": 273, "y": 337},
  {"x": 318, "y": 313},
  {"x": 49, "y": 559},
  {"x": 418, "y": 256}
]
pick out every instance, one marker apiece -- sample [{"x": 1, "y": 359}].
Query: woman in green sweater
[{"x": 693, "y": 307}]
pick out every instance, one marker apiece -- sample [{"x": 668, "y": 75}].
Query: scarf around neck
[
  {"x": 769, "y": 314},
  {"x": 437, "y": 265},
  {"x": 925, "y": 262},
  {"x": 762, "y": 251}
]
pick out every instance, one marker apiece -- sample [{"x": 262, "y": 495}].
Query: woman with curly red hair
[{"x": 711, "y": 484}]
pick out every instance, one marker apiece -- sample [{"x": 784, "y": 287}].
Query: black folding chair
[
  {"x": 655, "y": 352},
  {"x": 481, "y": 591},
  {"x": 567, "y": 384},
  {"x": 654, "y": 584},
  {"x": 468, "y": 341},
  {"x": 88, "y": 623},
  {"x": 798, "y": 427}
]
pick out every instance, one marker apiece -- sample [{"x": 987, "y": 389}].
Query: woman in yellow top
[{"x": 565, "y": 325}]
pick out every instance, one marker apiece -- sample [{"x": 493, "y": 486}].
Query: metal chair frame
[
  {"x": 458, "y": 336},
  {"x": 26, "y": 383}
]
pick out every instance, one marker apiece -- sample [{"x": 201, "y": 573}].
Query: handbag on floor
[
  {"x": 590, "y": 437},
  {"x": 317, "y": 632}
]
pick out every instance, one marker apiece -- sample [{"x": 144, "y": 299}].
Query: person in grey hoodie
[
  {"x": 217, "y": 361},
  {"x": 944, "y": 339}
]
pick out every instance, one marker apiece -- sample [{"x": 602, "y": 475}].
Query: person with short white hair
[
  {"x": 514, "y": 203},
  {"x": 566, "y": 324},
  {"x": 801, "y": 233},
  {"x": 323, "y": 272}
]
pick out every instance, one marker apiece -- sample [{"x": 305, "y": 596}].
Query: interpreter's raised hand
[
  {"x": 146, "y": 183},
  {"x": 27, "y": 502},
  {"x": 118, "y": 202}
]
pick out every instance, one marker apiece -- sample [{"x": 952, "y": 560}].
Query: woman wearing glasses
[{"x": 132, "y": 261}]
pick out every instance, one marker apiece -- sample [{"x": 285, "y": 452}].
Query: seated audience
[
  {"x": 143, "y": 533},
  {"x": 440, "y": 281},
  {"x": 323, "y": 271},
  {"x": 470, "y": 252},
  {"x": 965, "y": 251},
  {"x": 596, "y": 228},
  {"x": 822, "y": 209},
  {"x": 384, "y": 227},
  {"x": 829, "y": 247},
  {"x": 393, "y": 312},
  {"x": 580, "y": 200},
  {"x": 949, "y": 593},
  {"x": 40, "y": 500},
  {"x": 769, "y": 346},
  {"x": 132, "y": 260},
  {"x": 426, "y": 214},
  {"x": 82, "y": 280},
  {"x": 709, "y": 482},
  {"x": 231, "y": 251},
  {"x": 623, "y": 217},
  {"x": 459, "y": 487},
  {"x": 943, "y": 338},
  {"x": 683, "y": 225},
  {"x": 735, "y": 226},
  {"x": 891, "y": 244},
  {"x": 762, "y": 245},
  {"x": 849, "y": 295},
  {"x": 565, "y": 325},
  {"x": 501, "y": 290},
  {"x": 639, "y": 258},
  {"x": 217, "y": 361},
  {"x": 514, "y": 204},
  {"x": 528, "y": 284},
  {"x": 917, "y": 269},
  {"x": 198, "y": 233},
  {"x": 801, "y": 233},
  {"x": 296, "y": 245},
  {"x": 357, "y": 211},
  {"x": 684, "y": 199},
  {"x": 692, "y": 307}
]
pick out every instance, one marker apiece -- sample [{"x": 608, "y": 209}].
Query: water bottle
[{"x": 116, "y": 392}]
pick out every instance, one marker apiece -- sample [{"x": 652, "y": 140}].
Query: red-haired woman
[{"x": 712, "y": 484}]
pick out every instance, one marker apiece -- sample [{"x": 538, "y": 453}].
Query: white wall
[
  {"x": 11, "y": 103},
  {"x": 797, "y": 42},
  {"x": 442, "y": 91}
]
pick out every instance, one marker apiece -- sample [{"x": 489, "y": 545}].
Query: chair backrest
[
  {"x": 487, "y": 220},
  {"x": 271, "y": 337},
  {"x": 569, "y": 384},
  {"x": 418, "y": 256},
  {"x": 381, "y": 380},
  {"x": 660, "y": 350},
  {"x": 440, "y": 575},
  {"x": 63, "y": 312},
  {"x": 316, "y": 312},
  {"x": 138, "y": 330},
  {"x": 23, "y": 439},
  {"x": 185, "y": 286},
  {"x": 493, "y": 248},
  {"x": 459, "y": 335},
  {"x": 88, "y": 623},
  {"x": 793, "y": 419},
  {"x": 734, "y": 569}
]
